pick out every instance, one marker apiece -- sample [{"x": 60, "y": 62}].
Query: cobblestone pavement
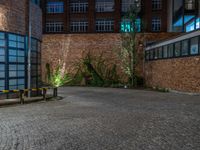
[{"x": 103, "y": 119}]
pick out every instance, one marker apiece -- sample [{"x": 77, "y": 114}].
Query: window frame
[
  {"x": 156, "y": 5},
  {"x": 165, "y": 50}
]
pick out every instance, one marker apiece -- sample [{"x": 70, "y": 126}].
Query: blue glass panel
[
  {"x": 2, "y": 67},
  {"x": 13, "y": 82},
  {"x": 198, "y": 23},
  {"x": 2, "y": 51},
  {"x": 2, "y": 36},
  {"x": 190, "y": 27},
  {"x": 2, "y": 58},
  {"x": 127, "y": 26},
  {"x": 2, "y": 42}
]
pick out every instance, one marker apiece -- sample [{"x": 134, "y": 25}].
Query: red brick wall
[
  {"x": 14, "y": 15},
  {"x": 70, "y": 48},
  {"x": 181, "y": 74},
  {"x": 36, "y": 21}
]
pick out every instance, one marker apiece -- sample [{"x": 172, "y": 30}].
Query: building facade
[
  {"x": 174, "y": 63},
  {"x": 15, "y": 22},
  {"x": 184, "y": 15},
  {"x": 100, "y": 16}
]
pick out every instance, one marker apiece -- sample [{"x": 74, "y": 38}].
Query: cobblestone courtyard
[{"x": 103, "y": 119}]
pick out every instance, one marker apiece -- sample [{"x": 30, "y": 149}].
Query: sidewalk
[{"x": 26, "y": 100}]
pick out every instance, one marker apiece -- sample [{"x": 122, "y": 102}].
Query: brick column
[
  {"x": 117, "y": 16},
  {"x": 91, "y": 16},
  {"x": 43, "y": 6},
  {"x": 67, "y": 16}
]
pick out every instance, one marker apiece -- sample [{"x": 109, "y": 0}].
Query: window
[
  {"x": 177, "y": 49},
  {"x": 194, "y": 47},
  {"x": 185, "y": 48},
  {"x": 151, "y": 54},
  {"x": 127, "y": 4},
  {"x": 2, "y": 40},
  {"x": 190, "y": 4},
  {"x": 2, "y": 84},
  {"x": 37, "y": 2},
  {"x": 192, "y": 25},
  {"x": 54, "y": 27},
  {"x": 2, "y": 71},
  {"x": 128, "y": 26},
  {"x": 165, "y": 51},
  {"x": 104, "y": 5},
  {"x": 2, "y": 54},
  {"x": 55, "y": 7},
  {"x": 198, "y": 22},
  {"x": 156, "y": 4},
  {"x": 16, "y": 49},
  {"x": 16, "y": 70},
  {"x": 171, "y": 50},
  {"x": 79, "y": 26},
  {"x": 156, "y": 24},
  {"x": 13, "y": 67},
  {"x": 79, "y": 7},
  {"x": 156, "y": 53},
  {"x": 104, "y": 25},
  {"x": 160, "y": 52},
  {"x": 147, "y": 55}
]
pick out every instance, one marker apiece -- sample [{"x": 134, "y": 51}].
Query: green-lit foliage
[
  {"x": 94, "y": 71},
  {"x": 57, "y": 77}
]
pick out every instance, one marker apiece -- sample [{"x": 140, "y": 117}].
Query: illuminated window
[{"x": 128, "y": 26}]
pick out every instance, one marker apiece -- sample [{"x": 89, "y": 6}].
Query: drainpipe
[{"x": 29, "y": 49}]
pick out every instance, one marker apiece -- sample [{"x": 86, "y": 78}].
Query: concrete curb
[
  {"x": 26, "y": 101},
  {"x": 185, "y": 93}
]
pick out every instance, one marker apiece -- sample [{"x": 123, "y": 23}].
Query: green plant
[
  {"x": 95, "y": 70},
  {"x": 57, "y": 77},
  {"x": 128, "y": 54},
  {"x": 159, "y": 89}
]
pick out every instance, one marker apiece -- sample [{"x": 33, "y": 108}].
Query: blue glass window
[
  {"x": 55, "y": 7},
  {"x": 127, "y": 25}
]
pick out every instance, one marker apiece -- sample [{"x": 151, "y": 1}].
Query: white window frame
[
  {"x": 79, "y": 7},
  {"x": 104, "y": 25},
  {"x": 105, "y": 6},
  {"x": 156, "y": 24},
  {"x": 79, "y": 26},
  {"x": 54, "y": 26},
  {"x": 156, "y": 4}
]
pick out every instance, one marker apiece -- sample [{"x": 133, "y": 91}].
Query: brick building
[
  {"x": 97, "y": 16},
  {"x": 14, "y": 35}
]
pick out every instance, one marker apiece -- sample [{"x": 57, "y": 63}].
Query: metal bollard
[
  {"x": 21, "y": 96},
  {"x": 55, "y": 92},
  {"x": 44, "y": 94}
]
